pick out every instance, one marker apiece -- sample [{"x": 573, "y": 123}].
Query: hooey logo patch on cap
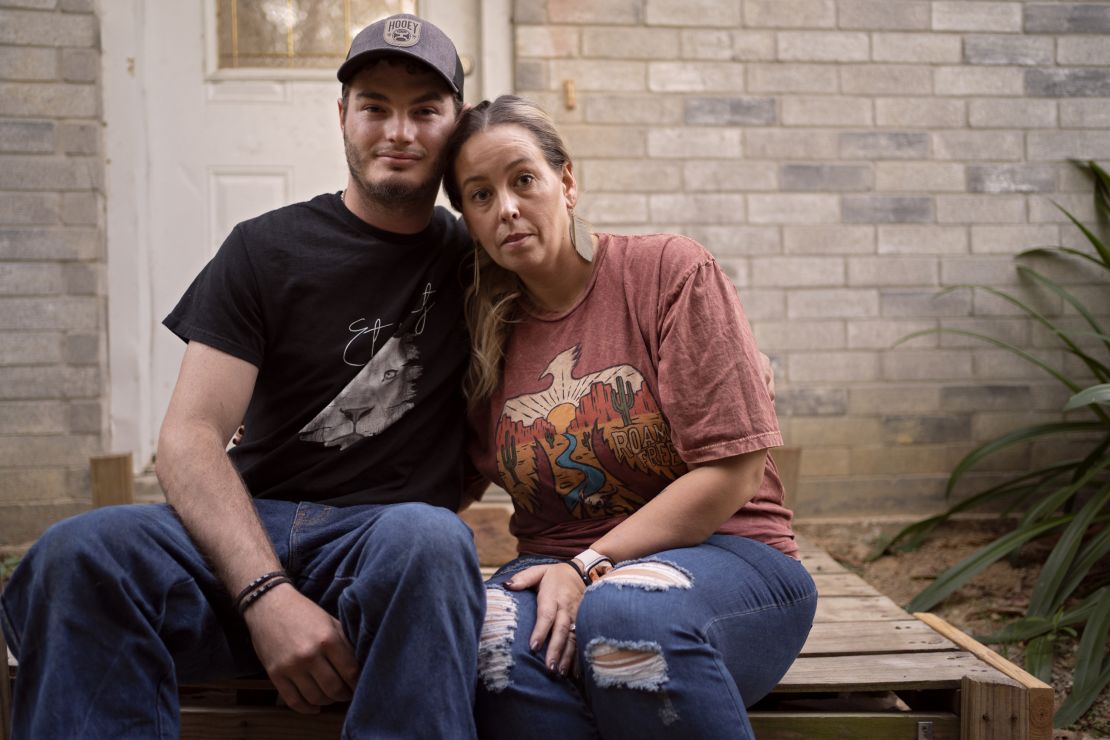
[{"x": 402, "y": 32}]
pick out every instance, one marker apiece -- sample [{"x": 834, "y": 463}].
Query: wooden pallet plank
[
  {"x": 819, "y": 561},
  {"x": 853, "y": 725},
  {"x": 863, "y": 638},
  {"x": 258, "y": 723},
  {"x": 888, "y": 671},
  {"x": 843, "y": 584},
  {"x": 858, "y": 609}
]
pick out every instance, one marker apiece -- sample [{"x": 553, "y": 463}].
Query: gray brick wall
[
  {"x": 846, "y": 160},
  {"x": 52, "y": 302}
]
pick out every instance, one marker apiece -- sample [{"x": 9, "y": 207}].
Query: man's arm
[{"x": 301, "y": 646}]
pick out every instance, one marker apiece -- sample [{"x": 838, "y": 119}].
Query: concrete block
[
  {"x": 922, "y": 240},
  {"x": 631, "y": 43},
  {"x": 53, "y": 100},
  {"x": 31, "y": 278},
  {"x": 28, "y": 63},
  {"x": 988, "y": 426},
  {"x": 709, "y": 208},
  {"x": 901, "y": 495},
  {"x": 1060, "y": 17},
  {"x": 530, "y": 75},
  {"x": 1016, "y": 113},
  {"x": 33, "y": 417},
  {"x": 628, "y": 175},
  {"x": 29, "y": 484},
  {"x": 826, "y": 110},
  {"x": 712, "y": 175},
  {"x": 826, "y": 177},
  {"x": 79, "y": 138},
  {"x": 797, "y": 272},
  {"x": 760, "y": 305},
  {"x": 83, "y": 349},
  {"x": 730, "y": 111},
  {"x": 919, "y": 304},
  {"x": 26, "y": 136},
  {"x": 832, "y": 367},
  {"x": 1093, "y": 113},
  {"x": 927, "y": 113},
  {"x": 597, "y": 12},
  {"x": 884, "y": 333},
  {"x": 886, "y": 79},
  {"x": 887, "y": 209},
  {"x": 831, "y": 304},
  {"x": 828, "y": 239},
  {"x": 884, "y": 145},
  {"x": 715, "y": 45},
  {"x": 824, "y": 431},
  {"x": 968, "y": 398},
  {"x": 822, "y": 461},
  {"x": 779, "y": 336},
  {"x": 36, "y": 4},
  {"x": 919, "y": 177},
  {"x": 605, "y": 141},
  {"x": 30, "y": 348},
  {"x": 987, "y": 304},
  {"x": 711, "y": 13},
  {"x": 960, "y": 15},
  {"x": 1014, "y": 331},
  {"x": 693, "y": 142},
  {"x": 632, "y": 108},
  {"x": 33, "y": 28},
  {"x": 892, "y": 399},
  {"x": 529, "y": 11},
  {"x": 930, "y": 364},
  {"x": 909, "y": 459},
  {"x": 80, "y": 65},
  {"x": 1011, "y": 239},
  {"x": 1020, "y": 50},
  {"x": 790, "y": 13},
  {"x": 695, "y": 76},
  {"x": 26, "y": 521},
  {"x": 791, "y": 78},
  {"x": 86, "y": 417},
  {"x": 49, "y": 382},
  {"x": 1068, "y": 82},
  {"x": 47, "y": 313},
  {"x": 1011, "y": 178},
  {"x": 778, "y": 144},
  {"x": 969, "y": 146},
  {"x": 547, "y": 41},
  {"x": 614, "y": 208},
  {"x": 737, "y": 241},
  {"x": 1068, "y": 144},
  {"x": 81, "y": 208},
  {"x": 50, "y": 173},
  {"x": 924, "y": 48},
  {"x": 980, "y": 209},
  {"x": 1083, "y": 50},
  {"x": 883, "y": 15},
  {"x": 78, "y": 6},
  {"x": 84, "y": 278},
  {"x": 1043, "y": 209},
  {"x": 39, "y": 450},
  {"x": 750, "y": 46},
  {"x": 793, "y": 208},
  {"x": 812, "y": 401},
  {"x": 49, "y": 243},
  {"x": 599, "y": 75},
  {"x": 823, "y": 46},
  {"x": 892, "y": 271},
  {"x": 20, "y": 209},
  {"x": 966, "y": 80}
]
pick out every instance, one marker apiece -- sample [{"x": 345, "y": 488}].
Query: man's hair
[{"x": 411, "y": 66}]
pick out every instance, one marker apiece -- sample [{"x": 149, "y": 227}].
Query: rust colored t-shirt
[{"x": 604, "y": 405}]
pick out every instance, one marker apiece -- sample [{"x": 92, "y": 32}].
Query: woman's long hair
[{"x": 492, "y": 300}]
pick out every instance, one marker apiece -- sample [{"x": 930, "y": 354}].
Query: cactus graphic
[
  {"x": 622, "y": 399},
  {"x": 508, "y": 456},
  {"x": 549, "y": 437},
  {"x": 586, "y": 440}
]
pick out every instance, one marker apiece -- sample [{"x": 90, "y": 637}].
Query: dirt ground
[{"x": 998, "y": 594}]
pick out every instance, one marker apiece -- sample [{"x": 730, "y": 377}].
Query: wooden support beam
[
  {"x": 113, "y": 480},
  {"x": 856, "y": 725}
]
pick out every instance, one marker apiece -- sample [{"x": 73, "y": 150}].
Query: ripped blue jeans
[{"x": 677, "y": 644}]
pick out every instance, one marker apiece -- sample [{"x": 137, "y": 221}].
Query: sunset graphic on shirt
[{"x": 592, "y": 439}]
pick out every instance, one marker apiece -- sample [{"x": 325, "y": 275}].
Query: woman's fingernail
[
  {"x": 551, "y": 667},
  {"x": 533, "y": 646},
  {"x": 509, "y": 583}
]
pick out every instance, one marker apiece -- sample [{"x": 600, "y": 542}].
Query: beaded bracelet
[
  {"x": 259, "y": 592},
  {"x": 256, "y": 583},
  {"x": 585, "y": 578}
]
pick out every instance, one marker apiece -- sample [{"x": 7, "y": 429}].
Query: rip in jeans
[{"x": 495, "y": 656}]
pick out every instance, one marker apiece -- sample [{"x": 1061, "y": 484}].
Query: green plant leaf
[
  {"x": 1039, "y": 653},
  {"x": 1096, "y": 367},
  {"x": 1057, "y": 251},
  {"x": 1092, "y": 668},
  {"x": 1101, "y": 248},
  {"x": 1027, "y": 628},
  {"x": 1047, "y": 594},
  {"x": 1093, "y": 552},
  {"x": 963, "y": 571},
  {"x": 1057, "y": 499},
  {"x": 1095, "y": 394}
]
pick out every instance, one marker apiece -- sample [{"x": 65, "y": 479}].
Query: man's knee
[{"x": 429, "y": 532}]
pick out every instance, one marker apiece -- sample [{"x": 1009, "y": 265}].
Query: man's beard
[{"x": 391, "y": 192}]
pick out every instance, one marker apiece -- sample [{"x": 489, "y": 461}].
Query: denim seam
[{"x": 757, "y": 610}]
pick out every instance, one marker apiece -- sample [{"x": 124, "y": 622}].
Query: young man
[{"x": 323, "y": 548}]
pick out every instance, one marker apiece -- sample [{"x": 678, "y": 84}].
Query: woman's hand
[{"x": 558, "y": 592}]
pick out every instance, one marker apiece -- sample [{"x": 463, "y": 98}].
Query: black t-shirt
[{"x": 358, "y": 337}]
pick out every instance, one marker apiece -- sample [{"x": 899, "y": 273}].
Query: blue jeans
[
  {"x": 674, "y": 645},
  {"x": 111, "y": 609}
]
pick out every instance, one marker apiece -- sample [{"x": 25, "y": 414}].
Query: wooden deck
[{"x": 868, "y": 670}]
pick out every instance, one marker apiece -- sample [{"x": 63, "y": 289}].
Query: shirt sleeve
[
  {"x": 222, "y": 307},
  {"x": 710, "y": 378}
]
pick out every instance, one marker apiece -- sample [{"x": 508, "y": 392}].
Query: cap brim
[{"x": 351, "y": 67}]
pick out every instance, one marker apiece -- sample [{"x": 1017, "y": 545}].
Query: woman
[{"x": 615, "y": 393}]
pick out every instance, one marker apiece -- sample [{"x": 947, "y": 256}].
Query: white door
[{"x": 192, "y": 150}]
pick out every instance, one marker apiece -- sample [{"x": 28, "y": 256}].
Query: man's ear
[{"x": 339, "y": 101}]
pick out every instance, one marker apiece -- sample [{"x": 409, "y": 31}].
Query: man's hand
[
  {"x": 303, "y": 650},
  {"x": 768, "y": 374}
]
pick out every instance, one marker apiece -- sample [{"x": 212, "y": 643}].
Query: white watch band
[{"x": 589, "y": 559}]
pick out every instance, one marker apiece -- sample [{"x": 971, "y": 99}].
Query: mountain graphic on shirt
[{"x": 596, "y": 440}]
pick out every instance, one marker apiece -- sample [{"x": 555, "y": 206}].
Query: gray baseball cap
[{"x": 410, "y": 36}]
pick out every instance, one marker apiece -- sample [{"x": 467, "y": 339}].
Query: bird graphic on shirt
[{"x": 565, "y": 388}]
